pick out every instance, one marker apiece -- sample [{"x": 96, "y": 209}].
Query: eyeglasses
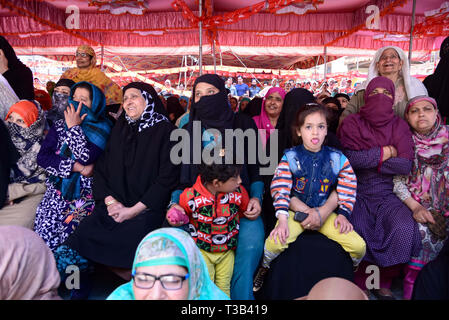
[
  {"x": 82, "y": 54},
  {"x": 168, "y": 281}
]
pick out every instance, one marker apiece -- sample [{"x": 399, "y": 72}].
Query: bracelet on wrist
[{"x": 319, "y": 215}]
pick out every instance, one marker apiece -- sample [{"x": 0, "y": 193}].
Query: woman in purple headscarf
[
  {"x": 379, "y": 146},
  {"x": 269, "y": 113}
]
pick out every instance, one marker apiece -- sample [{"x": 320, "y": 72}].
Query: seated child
[
  {"x": 308, "y": 176},
  {"x": 214, "y": 205}
]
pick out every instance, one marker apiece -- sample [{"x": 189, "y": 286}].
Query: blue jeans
[{"x": 247, "y": 258}]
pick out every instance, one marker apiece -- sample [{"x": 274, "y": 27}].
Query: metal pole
[
  {"x": 213, "y": 56},
  {"x": 411, "y": 35},
  {"x": 325, "y": 62},
  {"x": 201, "y": 38}
]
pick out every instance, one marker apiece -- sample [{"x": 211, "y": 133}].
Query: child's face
[
  {"x": 313, "y": 131},
  {"x": 17, "y": 119},
  {"x": 230, "y": 185}
]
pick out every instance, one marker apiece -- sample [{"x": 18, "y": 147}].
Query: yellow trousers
[
  {"x": 220, "y": 266},
  {"x": 351, "y": 241}
]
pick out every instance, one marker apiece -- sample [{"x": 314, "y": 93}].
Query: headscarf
[
  {"x": 43, "y": 98},
  {"x": 172, "y": 246},
  {"x": 10, "y": 54},
  {"x": 95, "y": 76},
  {"x": 214, "y": 112},
  {"x": 96, "y": 127},
  {"x": 27, "y": 266},
  {"x": 154, "y": 111},
  {"x": 60, "y": 101},
  {"x": 376, "y": 125},
  {"x": 27, "y": 110},
  {"x": 413, "y": 87},
  {"x": 428, "y": 181},
  {"x": 28, "y": 142},
  {"x": 173, "y": 106},
  {"x": 438, "y": 83},
  {"x": 294, "y": 100},
  {"x": 186, "y": 99},
  {"x": 254, "y": 107},
  {"x": 8, "y": 158},
  {"x": 334, "y": 115},
  {"x": 244, "y": 99},
  {"x": 263, "y": 121}
]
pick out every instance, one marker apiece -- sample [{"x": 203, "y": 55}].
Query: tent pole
[
  {"x": 213, "y": 56},
  {"x": 325, "y": 62},
  {"x": 201, "y": 38},
  {"x": 411, "y": 35}
]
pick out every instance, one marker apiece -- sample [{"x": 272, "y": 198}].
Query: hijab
[
  {"x": 263, "y": 121},
  {"x": 154, "y": 111},
  {"x": 96, "y": 127},
  {"x": 95, "y": 76},
  {"x": 27, "y": 266},
  {"x": 294, "y": 100},
  {"x": 27, "y": 141},
  {"x": 413, "y": 87},
  {"x": 8, "y": 158},
  {"x": 376, "y": 125},
  {"x": 213, "y": 112},
  {"x": 173, "y": 106},
  {"x": 429, "y": 179},
  {"x": 10, "y": 54},
  {"x": 334, "y": 115},
  {"x": 438, "y": 83},
  {"x": 173, "y": 246},
  {"x": 60, "y": 101}
]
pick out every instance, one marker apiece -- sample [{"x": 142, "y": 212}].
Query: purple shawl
[
  {"x": 376, "y": 125},
  {"x": 262, "y": 121}
]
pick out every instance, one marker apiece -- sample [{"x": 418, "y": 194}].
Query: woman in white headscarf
[{"x": 390, "y": 62}]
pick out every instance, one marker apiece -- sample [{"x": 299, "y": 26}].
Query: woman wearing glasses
[
  {"x": 168, "y": 266},
  {"x": 86, "y": 70}
]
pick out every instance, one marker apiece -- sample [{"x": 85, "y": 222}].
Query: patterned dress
[{"x": 56, "y": 217}]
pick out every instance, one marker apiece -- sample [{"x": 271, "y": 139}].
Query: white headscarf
[{"x": 413, "y": 86}]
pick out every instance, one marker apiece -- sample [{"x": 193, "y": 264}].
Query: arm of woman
[
  {"x": 396, "y": 166},
  {"x": 158, "y": 194},
  {"x": 420, "y": 214},
  {"x": 364, "y": 159},
  {"x": 49, "y": 159}
]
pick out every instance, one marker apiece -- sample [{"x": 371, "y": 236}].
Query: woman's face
[
  {"x": 381, "y": 91},
  {"x": 273, "y": 105},
  {"x": 422, "y": 116},
  {"x": 62, "y": 89},
  {"x": 243, "y": 104},
  {"x": 233, "y": 103},
  {"x": 82, "y": 95},
  {"x": 389, "y": 63},
  {"x": 205, "y": 89},
  {"x": 158, "y": 292},
  {"x": 332, "y": 106},
  {"x": 17, "y": 119},
  {"x": 134, "y": 103},
  {"x": 83, "y": 59},
  {"x": 343, "y": 102}
]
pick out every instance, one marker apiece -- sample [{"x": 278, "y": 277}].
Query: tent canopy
[{"x": 268, "y": 34}]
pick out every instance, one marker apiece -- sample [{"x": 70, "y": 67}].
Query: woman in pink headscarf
[{"x": 270, "y": 111}]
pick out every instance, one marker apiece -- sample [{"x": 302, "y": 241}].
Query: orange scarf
[{"x": 27, "y": 110}]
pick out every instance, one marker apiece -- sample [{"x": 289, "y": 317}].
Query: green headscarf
[{"x": 172, "y": 246}]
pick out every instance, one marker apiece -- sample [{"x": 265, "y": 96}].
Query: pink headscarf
[
  {"x": 262, "y": 121},
  {"x": 27, "y": 266}
]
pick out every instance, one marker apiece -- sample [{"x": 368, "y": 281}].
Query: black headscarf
[
  {"x": 10, "y": 54},
  {"x": 293, "y": 101},
  {"x": 18, "y": 75},
  {"x": 214, "y": 112},
  {"x": 333, "y": 115},
  {"x": 437, "y": 84},
  {"x": 253, "y": 108},
  {"x": 8, "y": 158},
  {"x": 173, "y": 106}
]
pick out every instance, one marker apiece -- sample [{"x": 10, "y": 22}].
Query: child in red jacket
[{"x": 214, "y": 205}]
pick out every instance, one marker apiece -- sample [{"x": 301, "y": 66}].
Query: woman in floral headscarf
[
  {"x": 426, "y": 189},
  {"x": 163, "y": 250},
  {"x": 86, "y": 70}
]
